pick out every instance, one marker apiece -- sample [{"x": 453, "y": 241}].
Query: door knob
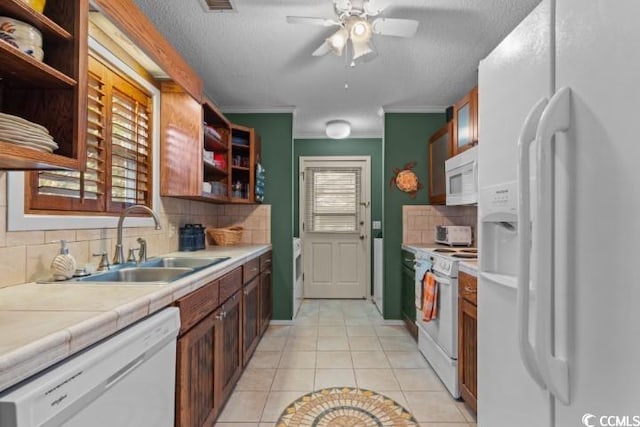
[{"x": 362, "y": 237}]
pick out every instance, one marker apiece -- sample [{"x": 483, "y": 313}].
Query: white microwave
[{"x": 462, "y": 178}]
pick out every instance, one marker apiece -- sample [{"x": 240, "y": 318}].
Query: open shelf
[
  {"x": 17, "y": 65},
  {"x": 240, "y": 168},
  {"x": 212, "y": 170},
  {"x": 20, "y": 10},
  {"x": 241, "y": 147},
  {"x": 15, "y": 157},
  {"x": 212, "y": 144}
]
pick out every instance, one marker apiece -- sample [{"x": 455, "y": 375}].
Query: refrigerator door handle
[
  {"x": 554, "y": 369},
  {"x": 527, "y": 136}
]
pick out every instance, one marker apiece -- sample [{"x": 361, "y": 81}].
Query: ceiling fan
[{"x": 354, "y": 17}]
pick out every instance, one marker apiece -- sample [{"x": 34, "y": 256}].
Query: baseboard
[
  {"x": 281, "y": 322},
  {"x": 393, "y": 322}
]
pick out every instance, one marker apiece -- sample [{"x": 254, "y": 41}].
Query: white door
[
  {"x": 512, "y": 79},
  {"x": 597, "y": 292},
  {"x": 334, "y": 226}
]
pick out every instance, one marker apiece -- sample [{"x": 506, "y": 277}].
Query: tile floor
[{"x": 339, "y": 343}]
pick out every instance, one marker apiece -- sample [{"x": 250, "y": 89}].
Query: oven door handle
[{"x": 523, "y": 300}]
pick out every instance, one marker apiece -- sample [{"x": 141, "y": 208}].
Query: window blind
[{"x": 332, "y": 199}]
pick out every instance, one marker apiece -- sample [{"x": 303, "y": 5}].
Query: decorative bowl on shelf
[
  {"x": 17, "y": 30},
  {"x": 37, "y": 5}
]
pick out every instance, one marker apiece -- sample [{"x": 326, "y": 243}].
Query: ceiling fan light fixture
[
  {"x": 338, "y": 40},
  {"x": 338, "y": 129},
  {"x": 361, "y": 49},
  {"x": 360, "y": 30}
]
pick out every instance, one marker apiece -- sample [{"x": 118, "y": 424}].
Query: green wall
[
  {"x": 343, "y": 147},
  {"x": 405, "y": 140},
  {"x": 276, "y": 131}
]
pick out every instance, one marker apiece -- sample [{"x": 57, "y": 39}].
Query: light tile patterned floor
[{"x": 339, "y": 343}]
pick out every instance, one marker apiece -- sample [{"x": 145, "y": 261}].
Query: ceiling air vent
[{"x": 218, "y": 5}]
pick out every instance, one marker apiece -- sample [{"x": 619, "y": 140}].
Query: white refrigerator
[{"x": 559, "y": 211}]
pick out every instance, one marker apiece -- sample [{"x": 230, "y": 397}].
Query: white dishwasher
[{"x": 127, "y": 380}]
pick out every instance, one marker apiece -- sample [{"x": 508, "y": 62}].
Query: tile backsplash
[
  {"x": 418, "y": 221},
  {"x": 25, "y": 256}
]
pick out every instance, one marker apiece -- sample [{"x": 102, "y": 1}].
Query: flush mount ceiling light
[{"x": 338, "y": 129}]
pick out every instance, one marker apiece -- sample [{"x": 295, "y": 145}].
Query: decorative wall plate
[{"x": 406, "y": 180}]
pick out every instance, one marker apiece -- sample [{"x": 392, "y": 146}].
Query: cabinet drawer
[
  {"x": 468, "y": 287},
  {"x": 265, "y": 261},
  {"x": 197, "y": 305},
  {"x": 250, "y": 270},
  {"x": 230, "y": 283}
]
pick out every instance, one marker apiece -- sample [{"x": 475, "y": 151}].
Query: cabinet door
[
  {"x": 465, "y": 117},
  {"x": 251, "y": 318},
  {"x": 467, "y": 352},
  {"x": 440, "y": 149},
  {"x": 232, "y": 347},
  {"x": 266, "y": 299},
  {"x": 181, "y": 171},
  {"x": 408, "y": 300},
  {"x": 198, "y": 382}
]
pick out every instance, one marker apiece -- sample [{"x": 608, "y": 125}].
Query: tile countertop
[
  {"x": 469, "y": 267},
  {"x": 43, "y": 323}
]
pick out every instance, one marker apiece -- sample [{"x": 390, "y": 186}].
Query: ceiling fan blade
[
  {"x": 376, "y": 7},
  {"x": 322, "y": 50},
  {"x": 395, "y": 27},
  {"x": 323, "y": 22}
]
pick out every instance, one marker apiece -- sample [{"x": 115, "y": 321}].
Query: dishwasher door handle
[{"x": 124, "y": 371}]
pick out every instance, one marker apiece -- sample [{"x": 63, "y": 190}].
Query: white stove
[{"x": 438, "y": 338}]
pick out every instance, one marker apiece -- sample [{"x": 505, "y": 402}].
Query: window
[
  {"x": 119, "y": 165},
  {"x": 332, "y": 199}
]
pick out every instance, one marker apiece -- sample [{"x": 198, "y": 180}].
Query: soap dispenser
[{"x": 63, "y": 265}]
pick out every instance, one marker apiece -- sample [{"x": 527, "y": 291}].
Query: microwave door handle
[
  {"x": 527, "y": 136},
  {"x": 553, "y": 368}
]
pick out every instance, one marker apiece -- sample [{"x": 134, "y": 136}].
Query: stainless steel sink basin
[
  {"x": 181, "y": 262},
  {"x": 140, "y": 275}
]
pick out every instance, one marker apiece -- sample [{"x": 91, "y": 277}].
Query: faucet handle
[
  {"x": 142, "y": 255},
  {"x": 132, "y": 255},
  {"x": 104, "y": 261}
]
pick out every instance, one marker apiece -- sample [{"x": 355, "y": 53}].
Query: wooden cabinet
[
  {"x": 440, "y": 149},
  {"x": 408, "y": 293},
  {"x": 251, "y": 318},
  {"x": 216, "y": 142},
  {"x": 181, "y": 148},
  {"x": 52, "y": 93},
  {"x": 245, "y": 152},
  {"x": 231, "y": 343},
  {"x": 467, "y": 338},
  {"x": 221, "y": 326},
  {"x": 198, "y": 359},
  {"x": 465, "y": 122},
  {"x": 266, "y": 292},
  {"x": 198, "y": 382}
]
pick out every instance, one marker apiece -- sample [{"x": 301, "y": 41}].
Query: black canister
[
  {"x": 198, "y": 233},
  {"x": 186, "y": 238}
]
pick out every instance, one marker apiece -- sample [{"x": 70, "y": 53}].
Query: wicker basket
[{"x": 225, "y": 236}]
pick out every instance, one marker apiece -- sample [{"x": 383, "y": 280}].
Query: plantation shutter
[
  {"x": 332, "y": 200},
  {"x": 130, "y": 144},
  {"x": 118, "y": 168},
  {"x": 72, "y": 190}
]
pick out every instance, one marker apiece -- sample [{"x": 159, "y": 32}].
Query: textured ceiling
[{"x": 252, "y": 60}]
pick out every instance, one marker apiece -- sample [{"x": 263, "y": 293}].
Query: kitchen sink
[
  {"x": 140, "y": 275},
  {"x": 183, "y": 262}
]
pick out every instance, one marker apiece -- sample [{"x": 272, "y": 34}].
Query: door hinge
[
  {"x": 302, "y": 173},
  {"x": 303, "y": 226}
]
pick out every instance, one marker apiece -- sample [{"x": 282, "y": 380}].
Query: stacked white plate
[{"x": 19, "y": 131}]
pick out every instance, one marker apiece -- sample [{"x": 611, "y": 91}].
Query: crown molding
[{"x": 424, "y": 109}]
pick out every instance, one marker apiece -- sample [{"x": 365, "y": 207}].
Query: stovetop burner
[
  {"x": 465, "y": 256},
  {"x": 445, "y": 250},
  {"x": 470, "y": 251}
]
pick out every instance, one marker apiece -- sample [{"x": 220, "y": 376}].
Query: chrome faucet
[{"x": 118, "y": 257}]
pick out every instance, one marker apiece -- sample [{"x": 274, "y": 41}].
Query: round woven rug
[{"x": 345, "y": 407}]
